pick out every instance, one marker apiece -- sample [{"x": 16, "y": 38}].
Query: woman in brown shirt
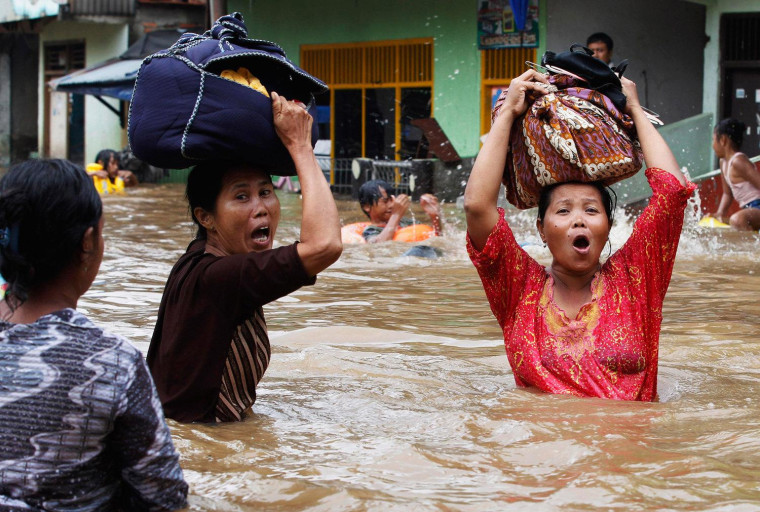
[{"x": 210, "y": 346}]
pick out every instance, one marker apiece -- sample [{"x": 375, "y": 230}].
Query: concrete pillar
[
  {"x": 217, "y": 9},
  {"x": 5, "y": 110}
]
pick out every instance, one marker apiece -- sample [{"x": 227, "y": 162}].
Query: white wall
[
  {"x": 102, "y": 41},
  {"x": 662, "y": 39}
]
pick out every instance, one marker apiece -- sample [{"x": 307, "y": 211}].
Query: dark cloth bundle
[
  {"x": 575, "y": 132},
  {"x": 594, "y": 73},
  {"x": 183, "y": 111}
]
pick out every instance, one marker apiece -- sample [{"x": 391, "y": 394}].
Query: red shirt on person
[{"x": 610, "y": 349}]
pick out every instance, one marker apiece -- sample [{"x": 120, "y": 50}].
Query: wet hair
[
  {"x": 609, "y": 198},
  {"x": 204, "y": 183},
  {"x": 104, "y": 155},
  {"x": 45, "y": 208},
  {"x": 369, "y": 193},
  {"x": 734, "y": 129},
  {"x": 600, "y": 37}
]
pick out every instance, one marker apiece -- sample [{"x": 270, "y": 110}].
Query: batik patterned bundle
[{"x": 569, "y": 134}]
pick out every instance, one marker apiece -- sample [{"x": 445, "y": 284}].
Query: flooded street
[{"x": 389, "y": 388}]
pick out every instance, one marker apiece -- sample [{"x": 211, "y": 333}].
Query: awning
[{"x": 115, "y": 77}]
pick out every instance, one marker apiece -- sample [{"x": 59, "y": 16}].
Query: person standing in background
[{"x": 601, "y": 44}]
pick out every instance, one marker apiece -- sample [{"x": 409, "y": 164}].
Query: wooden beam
[{"x": 217, "y": 9}]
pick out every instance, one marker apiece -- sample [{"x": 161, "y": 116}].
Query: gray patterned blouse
[{"x": 81, "y": 426}]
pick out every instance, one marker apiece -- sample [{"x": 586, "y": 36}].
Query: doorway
[
  {"x": 740, "y": 90},
  {"x": 742, "y": 101},
  {"x": 63, "y": 134}
]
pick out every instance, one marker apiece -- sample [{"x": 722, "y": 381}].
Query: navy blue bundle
[{"x": 183, "y": 112}]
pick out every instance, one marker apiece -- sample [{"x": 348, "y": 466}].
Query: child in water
[{"x": 740, "y": 177}]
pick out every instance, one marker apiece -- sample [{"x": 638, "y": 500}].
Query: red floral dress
[{"x": 610, "y": 349}]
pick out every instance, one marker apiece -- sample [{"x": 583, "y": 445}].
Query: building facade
[
  {"x": 386, "y": 61},
  {"x": 41, "y": 40}
]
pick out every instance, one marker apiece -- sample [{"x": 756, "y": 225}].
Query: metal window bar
[
  {"x": 395, "y": 173},
  {"x": 342, "y": 180},
  {"x": 102, "y": 7},
  {"x": 371, "y": 64},
  {"x": 741, "y": 42},
  {"x": 498, "y": 67}
]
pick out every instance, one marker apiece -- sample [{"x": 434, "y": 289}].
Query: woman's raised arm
[
  {"x": 320, "y": 243},
  {"x": 656, "y": 150},
  {"x": 482, "y": 191}
]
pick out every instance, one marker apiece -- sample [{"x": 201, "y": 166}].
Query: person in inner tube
[{"x": 386, "y": 211}]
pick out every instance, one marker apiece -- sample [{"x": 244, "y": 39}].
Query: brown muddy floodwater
[{"x": 389, "y": 389}]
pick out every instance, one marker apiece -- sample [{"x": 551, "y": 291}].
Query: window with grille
[
  {"x": 376, "y": 89},
  {"x": 388, "y": 63},
  {"x": 498, "y": 67},
  {"x": 740, "y": 37},
  {"x": 63, "y": 57}
]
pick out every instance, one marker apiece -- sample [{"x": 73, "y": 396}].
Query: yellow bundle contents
[{"x": 244, "y": 77}]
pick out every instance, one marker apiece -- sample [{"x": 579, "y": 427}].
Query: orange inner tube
[
  {"x": 414, "y": 233},
  {"x": 352, "y": 233}
]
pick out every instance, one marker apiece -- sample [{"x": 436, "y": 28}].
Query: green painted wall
[{"x": 451, "y": 23}]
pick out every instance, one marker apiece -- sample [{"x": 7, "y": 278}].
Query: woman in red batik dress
[{"x": 578, "y": 327}]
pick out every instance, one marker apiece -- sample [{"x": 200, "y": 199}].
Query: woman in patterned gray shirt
[{"x": 81, "y": 426}]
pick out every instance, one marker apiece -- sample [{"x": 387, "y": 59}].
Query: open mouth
[
  {"x": 581, "y": 242},
  {"x": 261, "y": 235}
]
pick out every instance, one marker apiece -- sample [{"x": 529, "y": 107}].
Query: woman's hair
[
  {"x": 734, "y": 129},
  {"x": 204, "y": 183},
  {"x": 45, "y": 208},
  {"x": 104, "y": 155},
  {"x": 609, "y": 198}
]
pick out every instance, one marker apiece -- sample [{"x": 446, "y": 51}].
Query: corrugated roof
[{"x": 102, "y": 7}]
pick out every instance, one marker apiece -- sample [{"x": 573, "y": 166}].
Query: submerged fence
[{"x": 346, "y": 175}]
